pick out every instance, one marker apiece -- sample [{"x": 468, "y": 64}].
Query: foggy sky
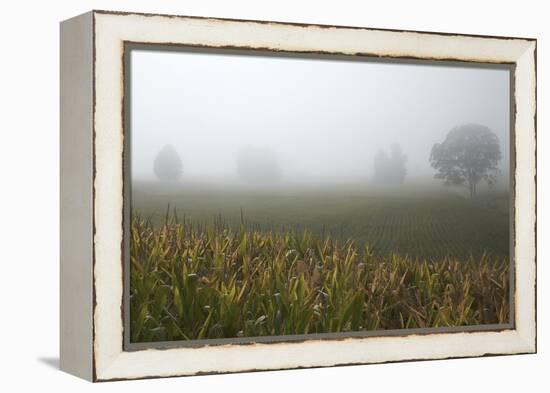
[{"x": 324, "y": 119}]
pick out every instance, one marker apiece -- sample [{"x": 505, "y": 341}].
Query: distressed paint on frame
[{"x": 106, "y": 301}]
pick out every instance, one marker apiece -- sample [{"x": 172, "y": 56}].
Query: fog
[{"x": 322, "y": 120}]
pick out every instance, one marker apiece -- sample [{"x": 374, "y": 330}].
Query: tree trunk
[{"x": 472, "y": 185}]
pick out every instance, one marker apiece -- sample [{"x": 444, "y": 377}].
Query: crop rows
[{"x": 193, "y": 282}]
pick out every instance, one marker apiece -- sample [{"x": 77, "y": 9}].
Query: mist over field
[
  {"x": 340, "y": 148},
  {"x": 321, "y": 121},
  {"x": 279, "y": 196}
]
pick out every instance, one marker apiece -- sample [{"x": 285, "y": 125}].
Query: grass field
[
  {"x": 232, "y": 262},
  {"x": 424, "y": 222},
  {"x": 189, "y": 282}
]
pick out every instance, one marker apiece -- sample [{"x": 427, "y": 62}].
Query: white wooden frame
[{"x": 92, "y": 89}]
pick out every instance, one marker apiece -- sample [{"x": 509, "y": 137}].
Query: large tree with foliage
[
  {"x": 469, "y": 154},
  {"x": 168, "y": 165},
  {"x": 390, "y": 169}
]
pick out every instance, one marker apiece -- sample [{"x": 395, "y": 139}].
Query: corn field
[{"x": 192, "y": 282}]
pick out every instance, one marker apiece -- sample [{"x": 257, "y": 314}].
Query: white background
[{"x": 29, "y": 208}]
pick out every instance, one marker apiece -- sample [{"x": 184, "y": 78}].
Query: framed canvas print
[{"x": 244, "y": 195}]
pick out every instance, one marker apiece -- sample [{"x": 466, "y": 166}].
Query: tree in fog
[
  {"x": 167, "y": 165},
  {"x": 258, "y": 165},
  {"x": 390, "y": 169},
  {"x": 468, "y": 155}
]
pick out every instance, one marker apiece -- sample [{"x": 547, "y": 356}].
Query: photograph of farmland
[{"x": 286, "y": 195}]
